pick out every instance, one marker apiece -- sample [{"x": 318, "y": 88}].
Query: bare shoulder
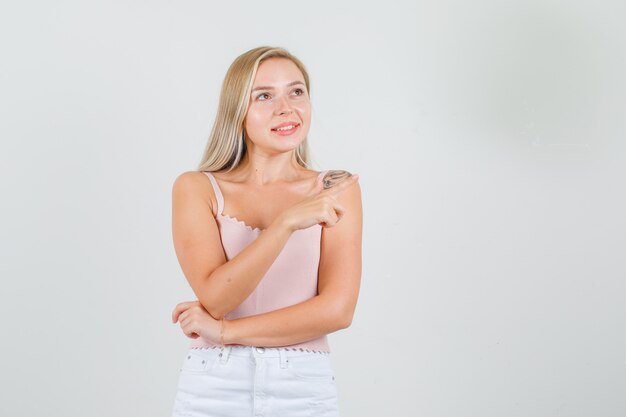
[
  {"x": 351, "y": 196},
  {"x": 190, "y": 181},
  {"x": 193, "y": 185}
]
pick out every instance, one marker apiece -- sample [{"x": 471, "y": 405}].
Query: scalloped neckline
[
  {"x": 235, "y": 220},
  {"x": 240, "y": 223}
]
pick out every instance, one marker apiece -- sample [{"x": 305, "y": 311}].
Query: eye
[
  {"x": 261, "y": 95},
  {"x": 300, "y": 90}
]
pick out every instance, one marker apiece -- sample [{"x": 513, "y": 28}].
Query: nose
[{"x": 283, "y": 106}]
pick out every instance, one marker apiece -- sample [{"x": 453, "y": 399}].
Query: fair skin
[{"x": 295, "y": 201}]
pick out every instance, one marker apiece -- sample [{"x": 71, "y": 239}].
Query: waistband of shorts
[{"x": 265, "y": 352}]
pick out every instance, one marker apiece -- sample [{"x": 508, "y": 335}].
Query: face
[{"x": 279, "y": 98}]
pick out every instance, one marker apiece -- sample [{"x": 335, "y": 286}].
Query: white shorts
[{"x": 248, "y": 381}]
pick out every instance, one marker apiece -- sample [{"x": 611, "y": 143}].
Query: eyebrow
[{"x": 271, "y": 88}]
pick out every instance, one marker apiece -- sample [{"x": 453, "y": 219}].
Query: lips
[
  {"x": 284, "y": 124},
  {"x": 287, "y": 132}
]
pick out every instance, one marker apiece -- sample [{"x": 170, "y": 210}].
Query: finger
[
  {"x": 335, "y": 206},
  {"x": 333, "y": 219},
  {"x": 190, "y": 329},
  {"x": 330, "y": 218},
  {"x": 339, "y": 187},
  {"x": 186, "y": 328},
  {"x": 335, "y": 176},
  {"x": 183, "y": 316},
  {"x": 175, "y": 313},
  {"x": 177, "y": 310},
  {"x": 340, "y": 210},
  {"x": 180, "y": 307},
  {"x": 189, "y": 325}
]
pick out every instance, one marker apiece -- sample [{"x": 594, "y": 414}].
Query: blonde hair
[{"x": 226, "y": 144}]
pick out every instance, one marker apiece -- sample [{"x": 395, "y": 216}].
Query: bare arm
[
  {"x": 232, "y": 282},
  {"x": 220, "y": 285},
  {"x": 338, "y": 288},
  {"x": 297, "y": 323}
]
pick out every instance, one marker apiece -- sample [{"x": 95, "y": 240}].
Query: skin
[{"x": 296, "y": 201}]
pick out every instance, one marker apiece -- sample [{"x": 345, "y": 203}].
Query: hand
[
  {"x": 321, "y": 206},
  {"x": 196, "y": 322}
]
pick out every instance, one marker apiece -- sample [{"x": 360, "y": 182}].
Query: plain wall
[{"x": 489, "y": 138}]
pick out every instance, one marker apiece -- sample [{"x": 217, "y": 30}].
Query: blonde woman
[{"x": 271, "y": 249}]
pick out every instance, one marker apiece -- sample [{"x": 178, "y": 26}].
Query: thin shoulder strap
[{"x": 217, "y": 191}]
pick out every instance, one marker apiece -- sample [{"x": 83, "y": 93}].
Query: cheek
[
  {"x": 305, "y": 111},
  {"x": 256, "y": 121}
]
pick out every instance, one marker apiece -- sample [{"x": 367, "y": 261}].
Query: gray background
[{"x": 489, "y": 137}]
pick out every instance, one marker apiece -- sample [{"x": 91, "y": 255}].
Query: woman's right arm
[{"x": 220, "y": 285}]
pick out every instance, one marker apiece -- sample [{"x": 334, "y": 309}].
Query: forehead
[{"x": 277, "y": 72}]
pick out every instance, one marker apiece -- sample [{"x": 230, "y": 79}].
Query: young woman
[{"x": 271, "y": 249}]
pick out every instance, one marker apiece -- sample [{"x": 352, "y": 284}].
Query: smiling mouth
[{"x": 286, "y": 128}]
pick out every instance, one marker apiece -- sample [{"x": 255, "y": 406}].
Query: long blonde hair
[{"x": 226, "y": 144}]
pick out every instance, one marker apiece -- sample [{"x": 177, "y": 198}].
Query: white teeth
[{"x": 286, "y": 127}]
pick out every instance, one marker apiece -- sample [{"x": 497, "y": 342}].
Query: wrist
[
  {"x": 281, "y": 223},
  {"x": 229, "y": 334}
]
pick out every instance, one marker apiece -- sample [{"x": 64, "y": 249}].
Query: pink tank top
[{"x": 291, "y": 279}]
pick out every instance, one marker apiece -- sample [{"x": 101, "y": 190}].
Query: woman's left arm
[{"x": 339, "y": 280}]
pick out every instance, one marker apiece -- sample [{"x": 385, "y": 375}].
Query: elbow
[
  {"x": 216, "y": 312},
  {"x": 340, "y": 313},
  {"x": 345, "y": 322},
  {"x": 212, "y": 308},
  {"x": 211, "y": 302},
  {"x": 344, "y": 319},
  {"x": 217, "y": 315}
]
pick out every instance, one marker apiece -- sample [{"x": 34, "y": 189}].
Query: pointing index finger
[{"x": 338, "y": 180}]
